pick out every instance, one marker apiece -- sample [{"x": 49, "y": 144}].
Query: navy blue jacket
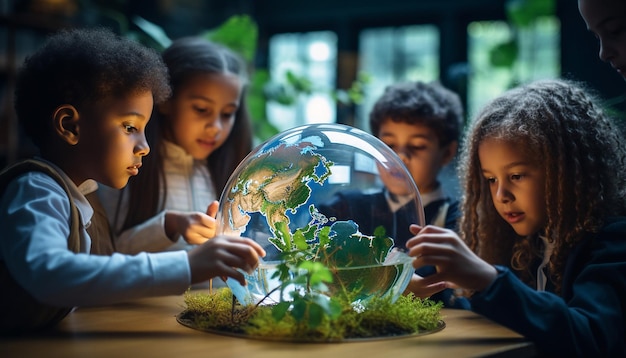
[
  {"x": 588, "y": 319},
  {"x": 372, "y": 210}
]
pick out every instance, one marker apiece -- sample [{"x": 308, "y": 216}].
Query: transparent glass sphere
[{"x": 332, "y": 192}]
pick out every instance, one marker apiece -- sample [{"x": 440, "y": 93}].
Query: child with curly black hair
[
  {"x": 543, "y": 236},
  {"x": 85, "y": 99},
  {"x": 198, "y": 137},
  {"x": 422, "y": 123}
]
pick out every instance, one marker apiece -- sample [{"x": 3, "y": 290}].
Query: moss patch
[{"x": 381, "y": 318}]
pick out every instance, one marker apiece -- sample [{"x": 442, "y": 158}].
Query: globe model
[{"x": 330, "y": 193}]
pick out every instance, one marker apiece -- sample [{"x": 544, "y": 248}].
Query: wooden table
[{"x": 148, "y": 328}]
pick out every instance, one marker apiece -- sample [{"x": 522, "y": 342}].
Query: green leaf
[
  {"x": 309, "y": 233},
  {"x": 317, "y": 272},
  {"x": 299, "y": 280},
  {"x": 504, "y": 55},
  {"x": 283, "y": 272},
  {"x": 299, "y": 310},
  {"x": 316, "y": 315},
  {"x": 331, "y": 308},
  {"x": 324, "y": 236},
  {"x": 280, "y": 93},
  {"x": 283, "y": 233},
  {"x": 239, "y": 33},
  {"x": 380, "y": 232},
  {"x": 280, "y": 310},
  {"x": 300, "y": 84},
  {"x": 523, "y": 13},
  {"x": 299, "y": 240},
  {"x": 335, "y": 309}
]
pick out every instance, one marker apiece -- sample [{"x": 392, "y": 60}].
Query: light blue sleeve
[{"x": 34, "y": 222}]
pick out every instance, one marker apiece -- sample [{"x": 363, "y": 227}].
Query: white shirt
[
  {"x": 396, "y": 202},
  {"x": 35, "y": 226},
  {"x": 434, "y": 195},
  {"x": 542, "y": 280},
  {"x": 189, "y": 188}
]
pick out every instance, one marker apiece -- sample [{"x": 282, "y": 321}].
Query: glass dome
[{"x": 330, "y": 189}]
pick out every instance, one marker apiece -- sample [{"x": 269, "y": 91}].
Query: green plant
[
  {"x": 308, "y": 302},
  {"x": 408, "y": 315},
  {"x": 523, "y": 14},
  {"x": 520, "y": 14},
  {"x": 324, "y": 291}
]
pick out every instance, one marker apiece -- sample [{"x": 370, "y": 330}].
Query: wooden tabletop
[{"x": 148, "y": 328}]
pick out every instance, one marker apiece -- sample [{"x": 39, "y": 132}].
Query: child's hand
[
  {"x": 211, "y": 210},
  {"x": 454, "y": 261},
  {"x": 222, "y": 256},
  {"x": 195, "y": 227},
  {"x": 422, "y": 290}
]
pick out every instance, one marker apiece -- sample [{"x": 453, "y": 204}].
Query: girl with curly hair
[{"x": 542, "y": 245}]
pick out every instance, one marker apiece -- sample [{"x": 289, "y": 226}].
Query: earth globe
[{"x": 328, "y": 193}]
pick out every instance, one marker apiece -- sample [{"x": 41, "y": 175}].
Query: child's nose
[
  {"x": 214, "y": 125},
  {"x": 606, "y": 51},
  {"x": 503, "y": 194},
  {"x": 404, "y": 155},
  {"x": 142, "y": 148}
]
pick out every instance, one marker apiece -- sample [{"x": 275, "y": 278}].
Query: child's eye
[
  {"x": 615, "y": 32},
  {"x": 200, "y": 107},
  {"x": 490, "y": 180},
  {"x": 129, "y": 128},
  {"x": 227, "y": 116},
  {"x": 416, "y": 148},
  {"x": 517, "y": 176}
]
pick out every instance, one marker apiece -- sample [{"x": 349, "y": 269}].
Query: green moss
[{"x": 381, "y": 318}]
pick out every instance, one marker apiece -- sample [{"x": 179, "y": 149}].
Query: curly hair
[
  {"x": 558, "y": 124},
  {"x": 185, "y": 58},
  {"x": 430, "y": 104},
  {"x": 81, "y": 67}
]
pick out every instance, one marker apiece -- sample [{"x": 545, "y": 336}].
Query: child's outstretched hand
[
  {"x": 222, "y": 256},
  {"x": 420, "y": 289},
  {"x": 454, "y": 261},
  {"x": 195, "y": 227}
]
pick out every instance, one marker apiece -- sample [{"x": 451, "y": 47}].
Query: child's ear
[
  {"x": 450, "y": 152},
  {"x": 65, "y": 123}
]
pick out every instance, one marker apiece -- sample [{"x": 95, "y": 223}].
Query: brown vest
[{"x": 21, "y": 312}]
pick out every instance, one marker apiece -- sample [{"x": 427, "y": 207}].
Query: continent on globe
[{"x": 276, "y": 181}]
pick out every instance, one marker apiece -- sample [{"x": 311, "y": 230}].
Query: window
[
  {"x": 311, "y": 55},
  {"x": 538, "y": 57},
  {"x": 410, "y": 53},
  {"x": 391, "y": 55}
]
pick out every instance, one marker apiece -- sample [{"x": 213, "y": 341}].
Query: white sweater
[{"x": 189, "y": 188}]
